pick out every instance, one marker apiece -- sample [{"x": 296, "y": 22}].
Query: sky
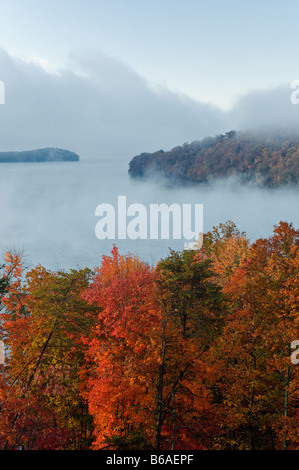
[
  {"x": 213, "y": 50},
  {"x": 154, "y": 73}
]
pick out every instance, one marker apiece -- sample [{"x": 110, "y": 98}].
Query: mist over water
[{"x": 48, "y": 210}]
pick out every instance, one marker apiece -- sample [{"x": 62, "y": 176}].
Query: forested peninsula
[
  {"x": 40, "y": 155},
  {"x": 265, "y": 160}
]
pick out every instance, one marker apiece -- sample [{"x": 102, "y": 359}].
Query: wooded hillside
[{"x": 269, "y": 161}]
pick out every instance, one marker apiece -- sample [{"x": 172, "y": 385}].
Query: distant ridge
[
  {"x": 48, "y": 154},
  {"x": 266, "y": 160}
]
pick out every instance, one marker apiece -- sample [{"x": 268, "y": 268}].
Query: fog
[
  {"x": 49, "y": 210},
  {"x": 103, "y": 110},
  {"x": 100, "y": 107}
]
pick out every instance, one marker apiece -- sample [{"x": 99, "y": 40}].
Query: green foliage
[{"x": 194, "y": 299}]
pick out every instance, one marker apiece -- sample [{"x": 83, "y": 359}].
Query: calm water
[{"x": 49, "y": 210}]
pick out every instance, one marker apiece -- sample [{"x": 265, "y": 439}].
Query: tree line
[
  {"x": 48, "y": 154},
  {"x": 266, "y": 160},
  {"x": 193, "y": 353}
]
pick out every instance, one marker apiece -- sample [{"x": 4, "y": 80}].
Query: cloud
[
  {"x": 97, "y": 106},
  {"x": 265, "y": 109}
]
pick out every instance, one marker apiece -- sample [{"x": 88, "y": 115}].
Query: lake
[{"x": 48, "y": 210}]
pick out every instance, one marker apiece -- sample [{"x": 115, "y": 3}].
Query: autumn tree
[
  {"x": 43, "y": 321},
  {"x": 122, "y": 359},
  {"x": 193, "y": 305},
  {"x": 227, "y": 248},
  {"x": 261, "y": 405},
  {"x": 194, "y": 353}
]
